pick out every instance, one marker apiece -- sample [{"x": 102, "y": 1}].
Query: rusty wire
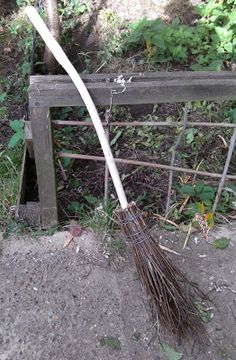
[{"x": 143, "y": 163}]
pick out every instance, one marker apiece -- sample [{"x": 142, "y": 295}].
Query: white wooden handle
[{"x": 63, "y": 60}]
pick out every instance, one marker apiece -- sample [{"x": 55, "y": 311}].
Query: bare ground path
[{"x": 69, "y": 303}]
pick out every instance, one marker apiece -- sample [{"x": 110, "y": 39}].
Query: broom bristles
[{"x": 167, "y": 287}]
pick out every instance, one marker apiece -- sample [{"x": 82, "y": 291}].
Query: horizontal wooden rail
[
  {"x": 151, "y": 88},
  {"x": 144, "y": 163},
  {"x": 141, "y": 76},
  {"x": 143, "y": 123}
]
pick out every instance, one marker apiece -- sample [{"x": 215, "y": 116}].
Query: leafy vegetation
[
  {"x": 170, "y": 353},
  {"x": 205, "y": 313},
  {"x": 208, "y": 45},
  {"x": 112, "y": 34},
  {"x": 221, "y": 243},
  {"x": 69, "y": 13},
  {"x": 201, "y": 198},
  {"x": 18, "y": 127},
  {"x": 111, "y": 342}
]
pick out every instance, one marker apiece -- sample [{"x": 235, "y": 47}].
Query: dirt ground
[{"x": 70, "y": 303}]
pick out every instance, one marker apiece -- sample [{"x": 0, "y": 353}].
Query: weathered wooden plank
[
  {"x": 21, "y": 192},
  {"x": 59, "y": 93},
  {"x": 142, "y": 76},
  {"x": 44, "y": 159},
  {"x": 28, "y": 139}
]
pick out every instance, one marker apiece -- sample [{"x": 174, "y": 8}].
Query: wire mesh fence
[{"x": 51, "y": 91}]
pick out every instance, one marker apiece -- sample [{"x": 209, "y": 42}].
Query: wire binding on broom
[{"x": 167, "y": 287}]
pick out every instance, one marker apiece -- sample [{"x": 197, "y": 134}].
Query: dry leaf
[{"x": 75, "y": 229}]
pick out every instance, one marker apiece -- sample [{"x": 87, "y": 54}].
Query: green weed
[
  {"x": 92, "y": 213},
  {"x": 69, "y": 14},
  {"x": 18, "y": 127},
  {"x": 110, "y": 341},
  {"x": 223, "y": 352},
  {"x": 117, "y": 246},
  {"x": 221, "y": 243},
  {"x": 200, "y": 201},
  {"x": 170, "y": 353},
  {"x": 112, "y": 32},
  {"x": 15, "y": 228},
  {"x": 205, "y": 313}
]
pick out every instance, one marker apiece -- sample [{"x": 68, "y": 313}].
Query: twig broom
[{"x": 166, "y": 286}]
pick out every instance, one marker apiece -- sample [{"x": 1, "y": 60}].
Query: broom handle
[{"x": 63, "y": 60}]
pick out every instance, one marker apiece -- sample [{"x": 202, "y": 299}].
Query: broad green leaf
[
  {"x": 75, "y": 206},
  {"x": 190, "y": 134},
  {"x": 91, "y": 199},
  {"x": 199, "y": 186},
  {"x": 15, "y": 139},
  {"x": 175, "y": 21},
  {"x": 16, "y": 125},
  {"x": 207, "y": 193},
  {"x": 215, "y": 65},
  {"x": 221, "y": 243},
  {"x": 187, "y": 189},
  {"x": 25, "y": 68},
  {"x": 158, "y": 41},
  {"x": 232, "y": 17},
  {"x": 67, "y": 162},
  {"x": 170, "y": 353},
  {"x": 223, "y": 33},
  {"x": 74, "y": 183},
  {"x": 81, "y": 111},
  {"x": 195, "y": 208},
  {"x": 221, "y": 207},
  {"x": 232, "y": 114},
  {"x": 228, "y": 47},
  {"x": 206, "y": 9}
]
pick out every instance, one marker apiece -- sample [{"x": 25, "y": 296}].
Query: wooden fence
[{"x": 46, "y": 92}]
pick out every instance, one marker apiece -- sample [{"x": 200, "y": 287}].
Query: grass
[
  {"x": 117, "y": 246},
  {"x": 10, "y": 160}
]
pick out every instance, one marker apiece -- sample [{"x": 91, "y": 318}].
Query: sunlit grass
[{"x": 10, "y": 165}]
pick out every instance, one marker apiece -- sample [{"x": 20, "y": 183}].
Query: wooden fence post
[{"x": 44, "y": 159}]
